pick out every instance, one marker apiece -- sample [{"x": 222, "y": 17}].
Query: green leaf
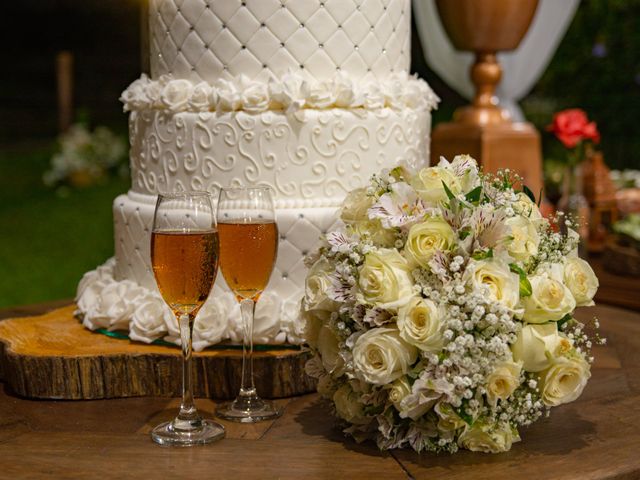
[
  {"x": 482, "y": 254},
  {"x": 525, "y": 286},
  {"x": 474, "y": 195},
  {"x": 460, "y": 411},
  {"x": 450, "y": 195},
  {"x": 564, "y": 320},
  {"x": 529, "y": 193},
  {"x": 464, "y": 233}
]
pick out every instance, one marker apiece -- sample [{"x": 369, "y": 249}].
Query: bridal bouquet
[{"x": 440, "y": 314}]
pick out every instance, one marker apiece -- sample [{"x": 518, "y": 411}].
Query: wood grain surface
[
  {"x": 595, "y": 437},
  {"x": 54, "y": 356}
]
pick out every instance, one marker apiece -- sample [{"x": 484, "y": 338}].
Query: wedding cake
[{"x": 310, "y": 97}]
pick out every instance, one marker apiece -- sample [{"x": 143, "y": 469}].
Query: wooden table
[{"x": 596, "y": 437}]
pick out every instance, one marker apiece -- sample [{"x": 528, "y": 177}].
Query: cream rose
[
  {"x": 495, "y": 278},
  {"x": 380, "y": 356},
  {"x": 347, "y": 405},
  {"x": 355, "y": 206},
  {"x": 581, "y": 281},
  {"x": 428, "y": 184},
  {"x": 255, "y": 97},
  {"x": 524, "y": 238},
  {"x": 481, "y": 437},
  {"x": 316, "y": 285},
  {"x": 175, "y": 95},
  {"x": 537, "y": 345},
  {"x": 564, "y": 380},
  {"x": 329, "y": 350},
  {"x": 313, "y": 321},
  {"x": 525, "y": 207},
  {"x": 503, "y": 381},
  {"x": 449, "y": 421},
  {"x": 373, "y": 230},
  {"x": 148, "y": 322},
  {"x": 550, "y": 299},
  {"x": 420, "y": 323},
  {"x": 200, "y": 97},
  {"x": 385, "y": 279},
  {"x": 321, "y": 96},
  {"x": 426, "y": 238},
  {"x": 398, "y": 390}
]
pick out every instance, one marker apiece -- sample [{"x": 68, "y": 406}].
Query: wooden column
[{"x": 64, "y": 80}]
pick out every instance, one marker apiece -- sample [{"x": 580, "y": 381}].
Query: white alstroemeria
[
  {"x": 399, "y": 207},
  {"x": 465, "y": 168}
]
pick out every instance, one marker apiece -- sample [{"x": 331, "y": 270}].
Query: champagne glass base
[
  {"x": 208, "y": 432},
  {"x": 257, "y": 410}
]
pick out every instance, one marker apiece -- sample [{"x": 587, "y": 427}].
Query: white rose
[
  {"x": 525, "y": 207},
  {"x": 355, "y": 206},
  {"x": 373, "y": 97},
  {"x": 581, "y": 281},
  {"x": 374, "y": 231},
  {"x": 413, "y": 95},
  {"x": 210, "y": 325},
  {"x": 329, "y": 350},
  {"x": 149, "y": 319},
  {"x": 398, "y": 390},
  {"x": 428, "y": 184},
  {"x": 344, "y": 92},
  {"x": 524, "y": 238},
  {"x": 88, "y": 303},
  {"x": 292, "y": 322},
  {"x": 316, "y": 285},
  {"x": 503, "y": 381},
  {"x": 266, "y": 323},
  {"x": 385, "y": 279},
  {"x": 380, "y": 356},
  {"x": 537, "y": 345},
  {"x": 426, "y": 238},
  {"x": 448, "y": 421},
  {"x": 564, "y": 380},
  {"x": 494, "y": 277},
  {"x": 481, "y": 437},
  {"x": 313, "y": 322},
  {"x": 550, "y": 299},
  {"x": 89, "y": 279},
  {"x": 347, "y": 405},
  {"x": 420, "y": 323},
  {"x": 154, "y": 90},
  {"x": 134, "y": 97},
  {"x": 291, "y": 92},
  {"x": 255, "y": 97},
  {"x": 175, "y": 95},
  {"x": 229, "y": 95},
  {"x": 321, "y": 96},
  {"x": 200, "y": 98}
]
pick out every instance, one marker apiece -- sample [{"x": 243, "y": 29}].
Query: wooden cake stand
[{"x": 54, "y": 356}]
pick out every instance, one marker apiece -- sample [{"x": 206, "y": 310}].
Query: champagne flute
[
  {"x": 184, "y": 256},
  {"x": 248, "y": 248}
]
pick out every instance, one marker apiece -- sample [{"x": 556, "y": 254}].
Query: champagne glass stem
[
  {"x": 188, "y": 417},
  {"x": 247, "y": 387}
]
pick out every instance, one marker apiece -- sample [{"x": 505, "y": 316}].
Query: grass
[{"x": 47, "y": 241}]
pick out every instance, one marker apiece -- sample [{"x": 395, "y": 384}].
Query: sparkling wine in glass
[
  {"x": 248, "y": 248},
  {"x": 184, "y": 256}
]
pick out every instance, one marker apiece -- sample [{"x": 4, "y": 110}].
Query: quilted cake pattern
[{"x": 203, "y": 40}]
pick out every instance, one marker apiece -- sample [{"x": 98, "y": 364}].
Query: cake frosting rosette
[{"x": 440, "y": 312}]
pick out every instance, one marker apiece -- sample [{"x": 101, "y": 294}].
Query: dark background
[{"x": 597, "y": 67}]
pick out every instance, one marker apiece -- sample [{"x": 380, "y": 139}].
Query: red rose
[{"x": 572, "y": 126}]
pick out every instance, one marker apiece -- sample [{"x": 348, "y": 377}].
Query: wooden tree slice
[{"x": 54, "y": 356}]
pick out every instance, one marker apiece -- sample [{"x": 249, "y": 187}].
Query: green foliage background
[{"x": 596, "y": 68}]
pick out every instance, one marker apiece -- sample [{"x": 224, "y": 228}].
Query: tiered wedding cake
[{"x": 310, "y": 97}]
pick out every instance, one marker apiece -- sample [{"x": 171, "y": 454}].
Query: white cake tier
[
  {"x": 212, "y": 39},
  {"x": 310, "y": 159},
  {"x": 122, "y": 294}
]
